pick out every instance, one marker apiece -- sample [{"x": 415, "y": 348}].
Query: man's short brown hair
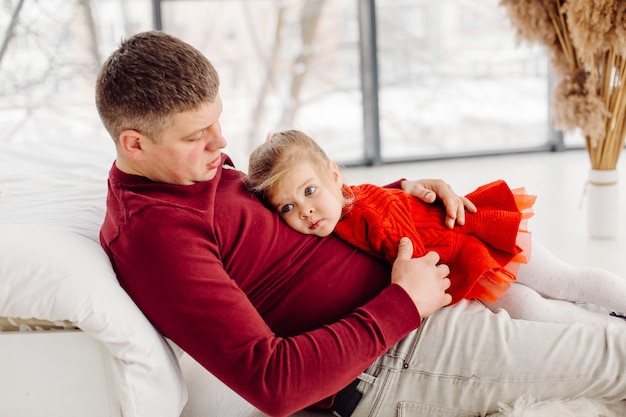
[{"x": 150, "y": 77}]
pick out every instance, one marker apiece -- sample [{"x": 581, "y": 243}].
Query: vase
[{"x": 602, "y": 204}]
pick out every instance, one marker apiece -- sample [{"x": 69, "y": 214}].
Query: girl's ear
[
  {"x": 131, "y": 143},
  {"x": 334, "y": 172}
]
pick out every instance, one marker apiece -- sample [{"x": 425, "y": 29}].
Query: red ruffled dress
[{"x": 483, "y": 255}]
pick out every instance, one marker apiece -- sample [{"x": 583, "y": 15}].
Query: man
[{"x": 288, "y": 320}]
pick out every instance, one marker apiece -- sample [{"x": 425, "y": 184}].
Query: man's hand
[
  {"x": 430, "y": 189},
  {"x": 424, "y": 280}
]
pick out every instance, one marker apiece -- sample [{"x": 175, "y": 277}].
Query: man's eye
[
  {"x": 197, "y": 136},
  {"x": 309, "y": 190},
  {"x": 286, "y": 208}
]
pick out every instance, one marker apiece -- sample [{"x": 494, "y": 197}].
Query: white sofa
[{"x": 52, "y": 268}]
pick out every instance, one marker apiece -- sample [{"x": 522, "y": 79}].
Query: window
[
  {"x": 453, "y": 81},
  {"x": 49, "y": 60},
  {"x": 283, "y": 64},
  {"x": 371, "y": 81}
]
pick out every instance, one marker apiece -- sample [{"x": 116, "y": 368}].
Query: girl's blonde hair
[{"x": 283, "y": 152}]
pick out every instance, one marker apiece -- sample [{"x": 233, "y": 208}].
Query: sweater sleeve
[
  {"x": 396, "y": 184},
  {"x": 182, "y": 287},
  {"x": 377, "y": 221}
]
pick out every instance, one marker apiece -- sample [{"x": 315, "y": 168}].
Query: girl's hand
[{"x": 428, "y": 190}]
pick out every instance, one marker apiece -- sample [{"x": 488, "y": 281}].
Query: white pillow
[{"x": 54, "y": 273}]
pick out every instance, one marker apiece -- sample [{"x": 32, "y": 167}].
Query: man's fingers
[
  {"x": 446, "y": 283},
  {"x": 405, "y": 248},
  {"x": 434, "y": 258},
  {"x": 469, "y": 206},
  {"x": 427, "y": 196},
  {"x": 455, "y": 211},
  {"x": 405, "y": 251}
]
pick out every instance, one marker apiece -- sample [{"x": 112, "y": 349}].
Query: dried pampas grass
[
  {"x": 586, "y": 44},
  {"x": 577, "y": 104}
]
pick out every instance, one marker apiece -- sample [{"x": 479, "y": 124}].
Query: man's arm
[
  {"x": 181, "y": 285},
  {"x": 429, "y": 190}
]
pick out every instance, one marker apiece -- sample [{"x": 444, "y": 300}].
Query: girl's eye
[
  {"x": 309, "y": 190},
  {"x": 286, "y": 208}
]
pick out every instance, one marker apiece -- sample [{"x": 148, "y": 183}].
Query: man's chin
[{"x": 207, "y": 176}]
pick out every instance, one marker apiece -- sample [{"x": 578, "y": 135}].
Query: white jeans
[{"x": 465, "y": 359}]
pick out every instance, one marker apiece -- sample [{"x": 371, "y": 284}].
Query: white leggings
[{"x": 550, "y": 290}]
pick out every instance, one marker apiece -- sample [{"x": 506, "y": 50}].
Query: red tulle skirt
[{"x": 492, "y": 284}]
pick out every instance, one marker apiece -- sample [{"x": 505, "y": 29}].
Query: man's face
[{"x": 190, "y": 148}]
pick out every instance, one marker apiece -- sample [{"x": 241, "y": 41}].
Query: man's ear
[{"x": 132, "y": 144}]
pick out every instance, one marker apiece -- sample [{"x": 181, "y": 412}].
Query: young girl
[{"x": 488, "y": 256}]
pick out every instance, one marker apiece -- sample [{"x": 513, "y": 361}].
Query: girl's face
[{"x": 306, "y": 203}]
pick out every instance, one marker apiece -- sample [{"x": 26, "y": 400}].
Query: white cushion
[
  {"x": 52, "y": 203},
  {"x": 52, "y": 273}
]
